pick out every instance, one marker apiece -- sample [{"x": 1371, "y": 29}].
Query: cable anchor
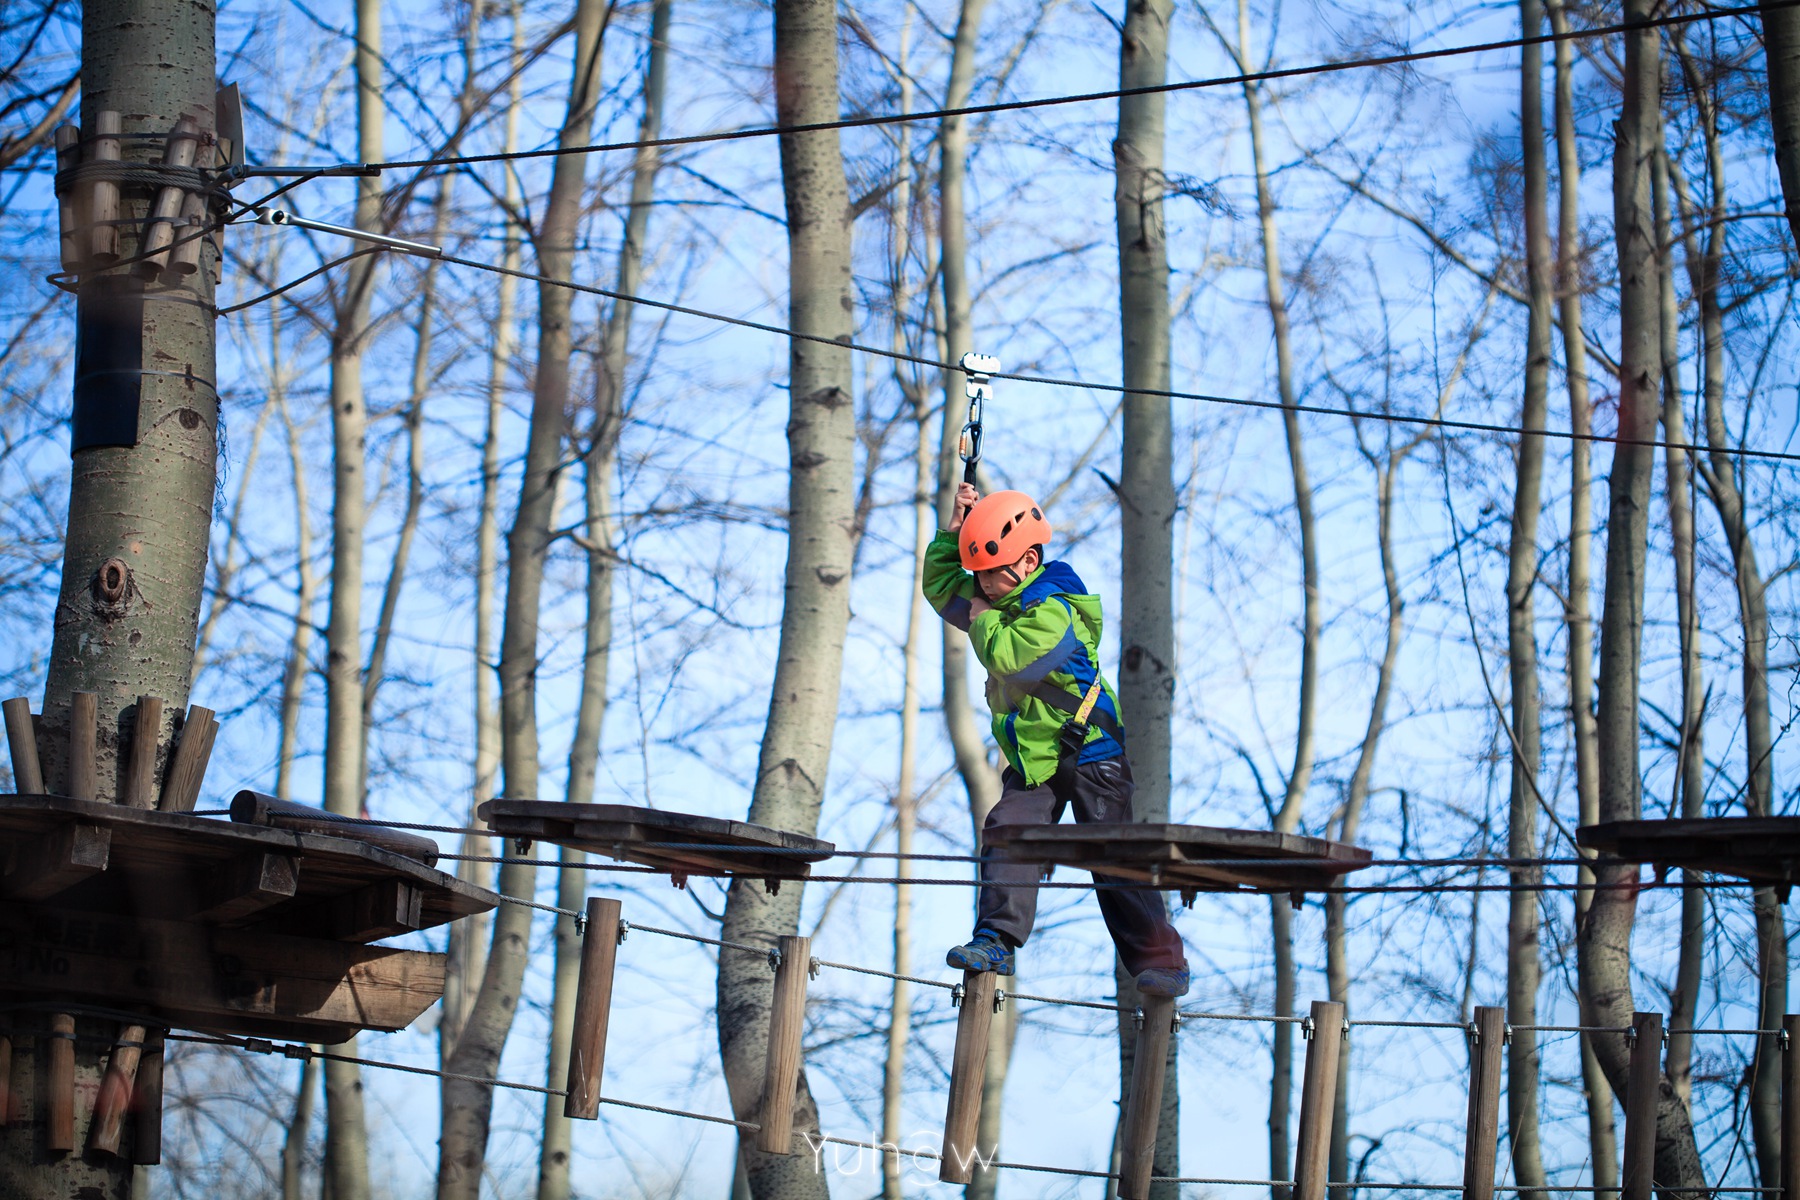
[
  {"x": 978, "y": 386},
  {"x": 280, "y": 216}
]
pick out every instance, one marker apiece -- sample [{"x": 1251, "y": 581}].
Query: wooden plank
[
  {"x": 781, "y": 1071},
  {"x": 385, "y": 908},
  {"x": 103, "y": 200},
  {"x": 116, "y": 1089},
  {"x": 147, "y": 1104},
  {"x": 254, "y": 808},
  {"x": 1643, "y": 1082},
  {"x": 706, "y": 845},
  {"x": 235, "y": 981},
  {"x": 140, "y": 768},
  {"x": 56, "y": 861},
  {"x": 59, "y": 1085},
  {"x": 21, "y": 740},
  {"x": 84, "y": 766},
  {"x": 187, "y": 765},
  {"x": 593, "y": 1008},
  {"x": 1790, "y": 1104},
  {"x": 1143, "y": 1105},
  {"x": 1318, "y": 1098},
  {"x": 249, "y": 885},
  {"x": 1482, "y": 1134},
  {"x": 968, "y": 1068}
]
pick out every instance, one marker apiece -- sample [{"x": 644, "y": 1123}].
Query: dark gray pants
[{"x": 1136, "y": 917}]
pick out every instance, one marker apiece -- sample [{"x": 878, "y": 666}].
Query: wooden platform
[
  {"x": 679, "y": 843},
  {"x": 214, "y": 925},
  {"x": 1185, "y": 858},
  {"x": 1760, "y": 849}
]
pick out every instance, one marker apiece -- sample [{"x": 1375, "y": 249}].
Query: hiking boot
[
  {"x": 984, "y": 952},
  {"x": 1164, "y": 981}
]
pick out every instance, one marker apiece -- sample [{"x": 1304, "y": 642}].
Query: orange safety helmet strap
[{"x": 999, "y": 530}]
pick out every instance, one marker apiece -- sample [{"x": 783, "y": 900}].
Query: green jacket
[{"x": 1045, "y": 630}]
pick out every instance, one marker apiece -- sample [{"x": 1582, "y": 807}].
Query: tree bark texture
[
  {"x": 122, "y": 634},
  {"x": 1524, "y": 968},
  {"x": 796, "y": 746},
  {"x": 1604, "y": 942},
  {"x": 468, "y": 1107},
  {"x": 1781, "y": 50}
]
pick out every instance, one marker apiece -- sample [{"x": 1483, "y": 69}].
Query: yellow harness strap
[{"x": 1088, "y": 701}]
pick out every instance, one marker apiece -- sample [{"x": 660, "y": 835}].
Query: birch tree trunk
[
  {"x": 599, "y": 543},
  {"x": 1781, "y": 50},
  {"x": 306, "y": 592},
  {"x": 796, "y": 746},
  {"x": 1577, "y": 614},
  {"x": 1604, "y": 942},
  {"x": 468, "y": 1107},
  {"x": 466, "y": 960},
  {"x": 1146, "y": 484},
  {"x": 1524, "y": 969}
]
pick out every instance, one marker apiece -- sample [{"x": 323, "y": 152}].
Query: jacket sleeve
[
  {"x": 1022, "y": 650},
  {"x": 948, "y": 588}
]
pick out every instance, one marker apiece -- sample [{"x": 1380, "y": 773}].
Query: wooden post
[
  {"x": 191, "y": 235},
  {"x": 59, "y": 1127},
  {"x": 593, "y": 1006},
  {"x": 1790, "y": 1104},
  {"x": 166, "y": 210},
  {"x": 21, "y": 739},
  {"x": 1143, "y": 1105},
  {"x": 1482, "y": 1137},
  {"x": 1643, "y": 1084},
  {"x": 103, "y": 208},
  {"x": 1318, "y": 1098},
  {"x": 68, "y": 213},
  {"x": 147, "y": 1104},
  {"x": 781, "y": 1075},
  {"x": 84, "y": 715},
  {"x": 187, "y": 766},
  {"x": 968, "y": 1066},
  {"x": 140, "y": 768},
  {"x": 116, "y": 1091},
  {"x": 6, "y": 1092}
]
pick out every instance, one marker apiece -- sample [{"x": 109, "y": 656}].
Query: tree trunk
[
  {"x": 1146, "y": 481},
  {"x": 147, "y": 506},
  {"x": 466, "y": 960},
  {"x": 1781, "y": 50},
  {"x": 468, "y": 1107},
  {"x": 293, "y": 1146},
  {"x": 306, "y": 591},
  {"x": 601, "y": 539},
  {"x": 1604, "y": 942},
  {"x": 796, "y": 746},
  {"x": 1602, "y": 1140},
  {"x": 1524, "y": 969}
]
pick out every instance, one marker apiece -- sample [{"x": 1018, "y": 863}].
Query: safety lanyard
[{"x": 978, "y": 386}]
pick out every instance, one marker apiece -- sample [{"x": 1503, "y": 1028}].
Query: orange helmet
[{"x": 999, "y": 529}]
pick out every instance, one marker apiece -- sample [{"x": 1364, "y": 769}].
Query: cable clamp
[
  {"x": 259, "y": 1046},
  {"x": 999, "y": 998},
  {"x": 1306, "y": 1029},
  {"x": 298, "y": 1053},
  {"x": 1781, "y": 1039},
  {"x": 580, "y": 920},
  {"x": 1174, "y": 1020},
  {"x": 624, "y": 928},
  {"x": 1474, "y": 1033},
  {"x": 956, "y": 996},
  {"x": 1137, "y": 1016},
  {"x": 775, "y": 960},
  {"x": 812, "y": 968},
  {"x": 1631, "y": 1037},
  {"x": 1506, "y": 1034}
]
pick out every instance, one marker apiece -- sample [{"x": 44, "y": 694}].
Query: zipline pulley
[{"x": 978, "y": 386}]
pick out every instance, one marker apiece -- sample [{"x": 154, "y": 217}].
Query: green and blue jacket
[{"x": 1046, "y": 631}]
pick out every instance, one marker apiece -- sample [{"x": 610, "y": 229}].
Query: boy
[{"x": 1036, "y": 629}]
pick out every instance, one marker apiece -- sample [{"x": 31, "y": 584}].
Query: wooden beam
[
  {"x": 1790, "y": 1104},
  {"x": 968, "y": 1067},
  {"x": 1482, "y": 1135},
  {"x": 187, "y": 766},
  {"x": 56, "y": 861},
  {"x": 593, "y": 1007},
  {"x": 385, "y": 908},
  {"x": 1143, "y": 1105},
  {"x": 116, "y": 1091},
  {"x": 248, "y": 885},
  {"x": 140, "y": 769},
  {"x": 6, "y": 1092},
  {"x": 1643, "y": 1083},
  {"x": 59, "y": 1085},
  {"x": 254, "y": 808},
  {"x": 240, "y": 981},
  {"x": 84, "y": 767},
  {"x": 147, "y": 1104},
  {"x": 103, "y": 200},
  {"x": 21, "y": 739},
  {"x": 781, "y": 1073},
  {"x": 1318, "y": 1098}
]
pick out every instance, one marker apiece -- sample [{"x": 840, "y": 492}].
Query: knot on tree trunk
[{"x": 112, "y": 588}]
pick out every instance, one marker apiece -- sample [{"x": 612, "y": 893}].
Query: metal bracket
[
  {"x": 812, "y": 968},
  {"x": 280, "y": 216},
  {"x": 580, "y": 920},
  {"x": 624, "y": 928},
  {"x": 1307, "y": 1029},
  {"x": 999, "y": 998},
  {"x": 1137, "y": 1016},
  {"x": 1781, "y": 1039},
  {"x": 774, "y": 960},
  {"x": 1631, "y": 1037},
  {"x": 956, "y": 996}
]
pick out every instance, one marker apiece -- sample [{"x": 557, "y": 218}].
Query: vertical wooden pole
[
  {"x": 140, "y": 768},
  {"x": 1790, "y": 1105},
  {"x": 787, "y": 1018},
  {"x": 59, "y": 1083},
  {"x": 1318, "y": 1100},
  {"x": 1644, "y": 1084},
  {"x": 84, "y": 716},
  {"x": 187, "y": 765},
  {"x": 968, "y": 1067},
  {"x": 68, "y": 213},
  {"x": 166, "y": 210},
  {"x": 116, "y": 1092},
  {"x": 103, "y": 210},
  {"x": 147, "y": 1104},
  {"x": 593, "y": 1006},
  {"x": 1143, "y": 1105},
  {"x": 21, "y": 739},
  {"x": 190, "y": 235},
  {"x": 6, "y": 1090},
  {"x": 1482, "y": 1138}
]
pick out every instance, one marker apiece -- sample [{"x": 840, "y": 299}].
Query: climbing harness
[{"x": 978, "y": 386}]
